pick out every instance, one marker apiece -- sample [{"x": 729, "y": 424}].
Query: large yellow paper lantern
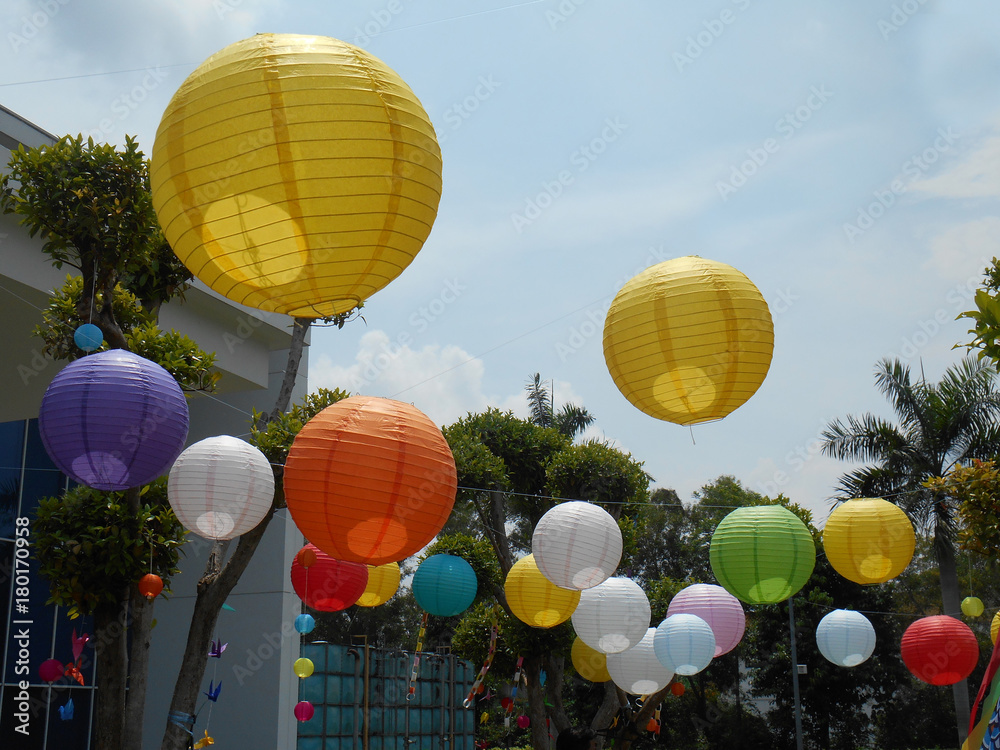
[
  {"x": 295, "y": 174},
  {"x": 688, "y": 340},
  {"x": 995, "y": 628},
  {"x": 868, "y": 540},
  {"x": 534, "y": 599},
  {"x": 383, "y": 581}
]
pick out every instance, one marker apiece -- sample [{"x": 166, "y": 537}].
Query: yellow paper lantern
[
  {"x": 688, "y": 340},
  {"x": 972, "y": 606},
  {"x": 995, "y": 628},
  {"x": 589, "y": 663},
  {"x": 303, "y": 668},
  {"x": 534, "y": 599},
  {"x": 383, "y": 580},
  {"x": 868, "y": 540},
  {"x": 295, "y": 174}
]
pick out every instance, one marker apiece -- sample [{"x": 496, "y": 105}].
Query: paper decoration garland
[{"x": 295, "y": 174}]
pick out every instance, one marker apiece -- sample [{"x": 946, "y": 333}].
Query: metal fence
[{"x": 360, "y": 697}]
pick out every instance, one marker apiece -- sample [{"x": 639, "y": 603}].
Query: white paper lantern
[
  {"x": 612, "y": 616},
  {"x": 716, "y": 606},
  {"x": 637, "y": 670},
  {"x": 577, "y": 545},
  {"x": 684, "y": 644},
  {"x": 845, "y": 637},
  {"x": 220, "y": 487}
]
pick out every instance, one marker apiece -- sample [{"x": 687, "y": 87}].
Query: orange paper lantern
[
  {"x": 150, "y": 586},
  {"x": 370, "y": 480}
]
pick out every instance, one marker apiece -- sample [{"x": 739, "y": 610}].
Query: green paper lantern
[{"x": 763, "y": 554}]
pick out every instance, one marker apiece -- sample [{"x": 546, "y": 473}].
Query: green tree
[
  {"x": 91, "y": 206},
  {"x": 938, "y": 426},
  {"x": 570, "y": 420}
]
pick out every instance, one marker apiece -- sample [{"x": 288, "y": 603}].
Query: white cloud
[
  {"x": 965, "y": 249},
  {"x": 978, "y": 176}
]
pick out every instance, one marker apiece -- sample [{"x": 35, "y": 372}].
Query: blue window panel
[
  {"x": 11, "y": 444},
  {"x": 40, "y": 629},
  {"x": 69, "y": 734},
  {"x": 317, "y": 653},
  {"x": 33, "y": 718},
  {"x": 35, "y": 457},
  {"x": 6, "y": 568},
  {"x": 312, "y": 689},
  {"x": 313, "y": 727},
  {"x": 10, "y": 490},
  {"x": 39, "y": 483},
  {"x": 309, "y": 743}
]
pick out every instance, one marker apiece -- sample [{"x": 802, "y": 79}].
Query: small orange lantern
[
  {"x": 370, "y": 480},
  {"x": 150, "y": 586}
]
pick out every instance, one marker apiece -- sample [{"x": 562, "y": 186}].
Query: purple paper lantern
[{"x": 113, "y": 420}]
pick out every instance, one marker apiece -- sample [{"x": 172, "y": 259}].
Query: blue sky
[{"x": 844, "y": 155}]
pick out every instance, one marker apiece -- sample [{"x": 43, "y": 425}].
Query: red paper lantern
[
  {"x": 327, "y": 585},
  {"x": 523, "y": 721},
  {"x": 150, "y": 586},
  {"x": 370, "y": 480},
  {"x": 677, "y": 689},
  {"x": 51, "y": 670},
  {"x": 940, "y": 650},
  {"x": 652, "y": 725}
]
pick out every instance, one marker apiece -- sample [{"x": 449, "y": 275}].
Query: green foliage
[
  {"x": 478, "y": 553},
  {"x": 190, "y": 365},
  {"x": 599, "y": 474},
  {"x": 92, "y": 205},
  {"x": 90, "y": 546},
  {"x": 976, "y": 491},
  {"x": 986, "y": 317}
]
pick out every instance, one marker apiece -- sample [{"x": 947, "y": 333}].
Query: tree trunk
[
  {"x": 213, "y": 589},
  {"x": 138, "y": 669},
  {"x": 536, "y": 704},
  {"x": 607, "y": 712},
  {"x": 951, "y": 605},
  {"x": 633, "y": 730},
  {"x": 300, "y": 327},
  {"x": 112, "y": 669},
  {"x": 556, "y": 671}
]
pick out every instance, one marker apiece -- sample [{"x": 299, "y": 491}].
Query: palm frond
[
  {"x": 538, "y": 401},
  {"x": 864, "y": 438},
  {"x": 571, "y": 420}
]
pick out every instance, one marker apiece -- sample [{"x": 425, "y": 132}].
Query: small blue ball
[
  {"x": 304, "y": 623},
  {"x": 88, "y": 337}
]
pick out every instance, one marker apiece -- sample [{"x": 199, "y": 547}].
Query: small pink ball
[
  {"x": 51, "y": 670},
  {"x": 523, "y": 721},
  {"x": 304, "y": 710}
]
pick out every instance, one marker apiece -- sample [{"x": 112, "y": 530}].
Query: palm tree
[
  {"x": 938, "y": 426},
  {"x": 570, "y": 420}
]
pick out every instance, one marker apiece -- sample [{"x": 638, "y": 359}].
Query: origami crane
[
  {"x": 73, "y": 670},
  {"x": 78, "y": 644},
  {"x": 218, "y": 647},
  {"x": 204, "y": 741},
  {"x": 213, "y": 692},
  {"x": 66, "y": 712}
]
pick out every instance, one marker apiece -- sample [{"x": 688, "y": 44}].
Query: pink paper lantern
[
  {"x": 304, "y": 710},
  {"x": 51, "y": 670},
  {"x": 716, "y": 606}
]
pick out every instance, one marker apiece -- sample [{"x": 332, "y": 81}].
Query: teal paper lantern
[
  {"x": 304, "y": 623},
  {"x": 444, "y": 585},
  {"x": 88, "y": 337},
  {"x": 762, "y": 554}
]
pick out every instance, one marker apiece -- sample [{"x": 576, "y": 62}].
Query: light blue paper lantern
[
  {"x": 88, "y": 337},
  {"x": 304, "y": 623},
  {"x": 684, "y": 644},
  {"x": 444, "y": 585},
  {"x": 845, "y": 637}
]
